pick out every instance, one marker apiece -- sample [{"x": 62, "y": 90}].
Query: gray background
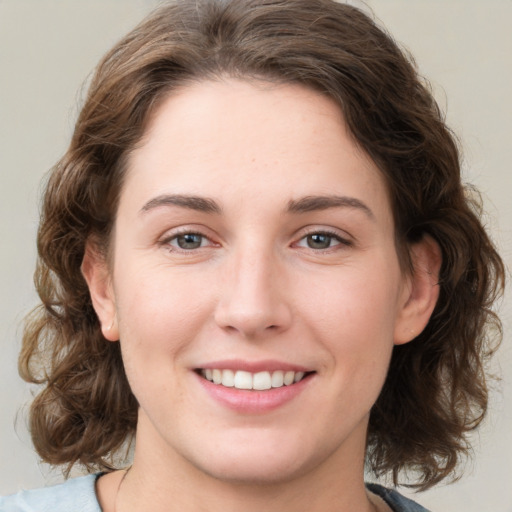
[{"x": 48, "y": 48}]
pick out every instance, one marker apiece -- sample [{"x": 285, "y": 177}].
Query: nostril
[{"x": 251, "y": 314}]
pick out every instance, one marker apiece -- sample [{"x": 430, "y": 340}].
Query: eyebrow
[
  {"x": 313, "y": 203},
  {"x": 303, "y": 205},
  {"x": 201, "y": 204}
]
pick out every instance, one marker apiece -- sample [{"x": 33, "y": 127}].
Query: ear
[
  {"x": 96, "y": 274},
  {"x": 421, "y": 290}
]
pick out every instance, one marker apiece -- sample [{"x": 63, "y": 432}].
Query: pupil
[
  {"x": 189, "y": 241},
  {"x": 319, "y": 241}
]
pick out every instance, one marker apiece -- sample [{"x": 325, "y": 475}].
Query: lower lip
[{"x": 253, "y": 401}]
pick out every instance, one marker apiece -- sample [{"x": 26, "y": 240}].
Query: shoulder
[
  {"x": 75, "y": 495},
  {"x": 395, "y": 500}
]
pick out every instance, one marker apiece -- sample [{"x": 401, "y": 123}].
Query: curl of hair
[{"x": 436, "y": 390}]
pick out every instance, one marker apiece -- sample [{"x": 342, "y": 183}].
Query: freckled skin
[{"x": 258, "y": 284}]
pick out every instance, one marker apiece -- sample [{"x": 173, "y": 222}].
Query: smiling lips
[
  {"x": 245, "y": 380},
  {"x": 255, "y": 387}
]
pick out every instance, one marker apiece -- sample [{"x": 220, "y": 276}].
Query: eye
[
  {"x": 321, "y": 241},
  {"x": 188, "y": 241}
]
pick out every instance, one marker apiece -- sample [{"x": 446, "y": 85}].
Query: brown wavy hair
[{"x": 436, "y": 391}]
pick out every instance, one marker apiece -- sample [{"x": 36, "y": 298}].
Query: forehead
[{"x": 258, "y": 140}]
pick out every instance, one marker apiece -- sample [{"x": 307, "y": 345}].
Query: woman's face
[{"x": 254, "y": 246}]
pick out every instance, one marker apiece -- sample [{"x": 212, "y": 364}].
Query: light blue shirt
[
  {"x": 79, "y": 495},
  {"x": 74, "y": 495}
]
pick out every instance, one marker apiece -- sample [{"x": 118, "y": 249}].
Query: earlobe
[
  {"x": 96, "y": 274},
  {"x": 421, "y": 291}
]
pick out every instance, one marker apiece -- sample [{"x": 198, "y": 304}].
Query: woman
[{"x": 258, "y": 261}]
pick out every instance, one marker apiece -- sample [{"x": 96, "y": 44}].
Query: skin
[{"x": 315, "y": 286}]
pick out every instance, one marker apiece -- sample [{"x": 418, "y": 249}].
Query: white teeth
[
  {"x": 288, "y": 378},
  {"x": 228, "y": 378},
  {"x": 277, "y": 379},
  {"x": 217, "y": 376},
  {"x": 261, "y": 381},
  {"x": 258, "y": 381},
  {"x": 298, "y": 376},
  {"x": 243, "y": 380}
]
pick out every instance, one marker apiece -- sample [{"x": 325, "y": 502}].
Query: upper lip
[{"x": 269, "y": 365}]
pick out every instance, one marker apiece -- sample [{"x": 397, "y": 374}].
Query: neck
[{"x": 140, "y": 492}]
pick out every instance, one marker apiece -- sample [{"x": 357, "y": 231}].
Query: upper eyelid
[
  {"x": 192, "y": 229},
  {"x": 331, "y": 231}
]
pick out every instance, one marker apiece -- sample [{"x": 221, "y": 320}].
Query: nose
[{"x": 253, "y": 302}]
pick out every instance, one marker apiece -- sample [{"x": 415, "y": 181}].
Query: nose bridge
[{"x": 253, "y": 298}]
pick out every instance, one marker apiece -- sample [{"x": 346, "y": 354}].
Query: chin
[
  {"x": 259, "y": 473},
  {"x": 258, "y": 463}
]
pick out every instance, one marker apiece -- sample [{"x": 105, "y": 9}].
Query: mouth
[{"x": 258, "y": 381}]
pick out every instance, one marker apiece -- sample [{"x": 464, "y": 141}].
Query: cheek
[
  {"x": 354, "y": 318},
  {"x": 159, "y": 313},
  {"x": 157, "y": 296},
  {"x": 355, "y": 303}
]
